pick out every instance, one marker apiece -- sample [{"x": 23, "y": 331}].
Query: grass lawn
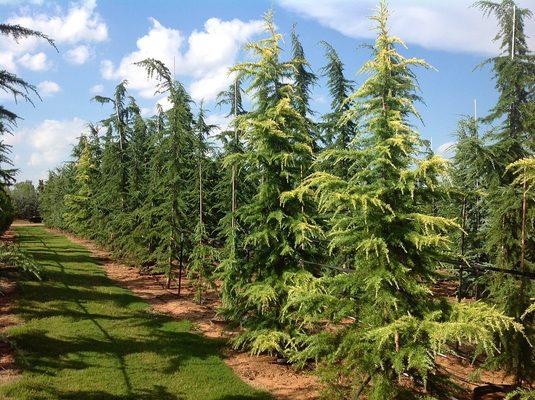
[{"x": 86, "y": 338}]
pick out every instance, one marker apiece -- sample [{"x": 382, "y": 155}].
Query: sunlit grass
[{"x": 86, "y": 338}]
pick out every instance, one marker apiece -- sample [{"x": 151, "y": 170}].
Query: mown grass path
[{"x": 86, "y": 338}]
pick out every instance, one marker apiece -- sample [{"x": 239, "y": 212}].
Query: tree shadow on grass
[
  {"x": 44, "y": 392},
  {"x": 80, "y": 326}
]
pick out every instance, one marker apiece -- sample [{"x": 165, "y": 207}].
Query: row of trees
[
  {"x": 329, "y": 235},
  {"x": 25, "y": 198},
  {"x": 17, "y": 87}
]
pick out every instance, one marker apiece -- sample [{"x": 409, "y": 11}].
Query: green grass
[{"x": 85, "y": 338}]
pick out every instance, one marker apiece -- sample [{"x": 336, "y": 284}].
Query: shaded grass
[{"x": 85, "y": 338}]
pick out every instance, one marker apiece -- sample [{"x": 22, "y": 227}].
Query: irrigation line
[{"x": 462, "y": 265}]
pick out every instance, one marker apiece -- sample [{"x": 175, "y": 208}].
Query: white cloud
[
  {"x": 78, "y": 55},
  {"x": 221, "y": 121},
  {"x": 18, "y": 2},
  {"x": 106, "y": 69},
  {"x": 206, "y": 61},
  {"x": 146, "y": 111},
  {"x": 48, "y": 88},
  {"x": 96, "y": 89},
  {"x": 444, "y": 25},
  {"x": 80, "y": 23},
  {"x": 446, "y": 150},
  {"x": 163, "y": 102},
  {"x": 208, "y": 86},
  {"x": 7, "y": 61},
  {"x": 51, "y": 141},
  {"x": 35, "y": 62}
]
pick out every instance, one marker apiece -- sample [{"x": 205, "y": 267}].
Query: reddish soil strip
[
  {"x": 8, "y": 369},
  {"x": 261, "y": 372}
]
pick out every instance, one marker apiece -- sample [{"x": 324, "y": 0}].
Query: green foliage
[
  {"x": 77, "y": 203},
  {"x": 13, "y": 256},
  {"x": 377, "y": 220},
  {"x": 509, "y": 142},
  {"x": 521, "y": 394},
  {"x": 172, "y": 170},
  {"x": 25, "y": 200},
  {"x": 7, "y": 212},
  {"x": 336, "y": 134},
  {"x": 202, "y": 263},
  {"x": 278, "y": 151}
]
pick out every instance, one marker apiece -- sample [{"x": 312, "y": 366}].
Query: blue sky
[{"x": 99, "y": 40}]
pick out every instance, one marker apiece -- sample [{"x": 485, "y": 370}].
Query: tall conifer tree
[
  {"x": 514, "y": 73},
  {"x": 392, "y": 245},
  {"x": 78, "y": 204},
  {"x": 340, "y": 88},
  {"x": 278, "y": 149},
  {"x": 173, "y": 170}
]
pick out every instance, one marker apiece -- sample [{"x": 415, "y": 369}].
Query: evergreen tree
[
  {"x": 278, "y": 149},
  {"x": 18, "y": 88},
  {"x": 107, "y": 196},
  {"x": 378, "y": 221},
  {"x": 203, "y": 255},
  {"x": 470, "y": 162},
  {"x": 335, "y": 134},
  {"x": 60, "y": 183},
  {"x": 173, "y": 170},
  {"x": 78, "y": 208},
  {"x": 119, "y": 121},
  {"x": 303, "y": 77},
  {"x": 232, "y": 188},
  {"x": 514, "y": 72},
  {"x": 137, "y": 185}
]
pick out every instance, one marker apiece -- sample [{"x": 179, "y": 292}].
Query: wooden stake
[
  {"x": 513, "y": 33},
  {"x": 524, "y": 207},
  {"x": 180, "y": 265},
  {"x": 233, "y": 177},
  {"x": 200, "y": 177},
  {"x": 461, "y": 269}
]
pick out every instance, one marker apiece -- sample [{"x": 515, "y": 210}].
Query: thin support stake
[
  {"x": 181, "y": 263},
  {"x": 513, "y": 33},
  {"x": 233, "y": 178}
]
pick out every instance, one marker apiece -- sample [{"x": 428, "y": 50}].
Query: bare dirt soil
[{"x": 8, "y": 369}]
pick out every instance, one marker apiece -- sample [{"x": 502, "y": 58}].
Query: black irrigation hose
[
  {"x": 487, "y": 267},
  {"x": 459, "y": 263}
]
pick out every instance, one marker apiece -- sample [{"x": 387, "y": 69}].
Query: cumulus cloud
[
  {"x": 78, "y": 55},
  {"x": 96, "y": 89},
  {"x": 42, "y": 147},
  {"x": 18, "y": 2},
  {"x": 443, "y": 25},
  {"x": 35, "y": 62},
  {"x": 221, "y": 122},
  {"x": 51, "y": 141},
  {"x": 7, "y": 61},
  {"x": 209, "y": 54},
  {"x": 48, "y": 88},
  {"x": 446, "y": 150},
  {"x": 80, "y": 23}
]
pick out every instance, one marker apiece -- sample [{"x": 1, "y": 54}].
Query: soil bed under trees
[{"x": 266, "y": 372}]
